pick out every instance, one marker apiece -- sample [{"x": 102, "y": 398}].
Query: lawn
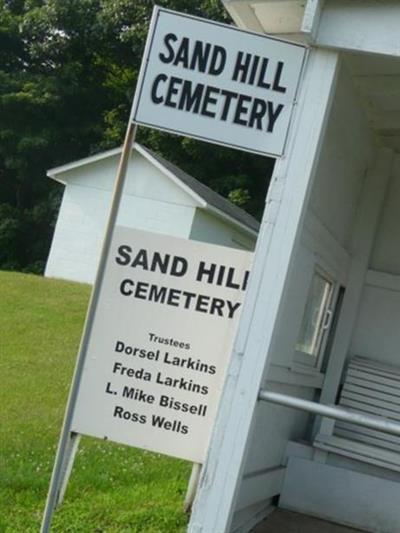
[{"x": 113, "y": 488}]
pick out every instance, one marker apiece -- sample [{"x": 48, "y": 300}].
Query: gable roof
[{"x": 208, "y": 199}]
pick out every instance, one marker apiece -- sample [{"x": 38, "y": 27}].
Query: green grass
[{"x": 113, "y": 488}]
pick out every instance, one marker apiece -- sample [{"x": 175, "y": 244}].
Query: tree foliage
[{"x": 68, "y": 69}]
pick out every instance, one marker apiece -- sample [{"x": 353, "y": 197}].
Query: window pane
[{"x": 311, "y": 329}]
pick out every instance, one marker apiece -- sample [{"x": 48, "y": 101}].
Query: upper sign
[
  {"x": 161, "y": 340},
  {"x": 217, "y": 83}
]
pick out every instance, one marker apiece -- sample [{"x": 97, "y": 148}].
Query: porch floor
[{"x": 281, "y": 521}]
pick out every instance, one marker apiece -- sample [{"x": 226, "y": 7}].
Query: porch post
[
  {"x": 281, "y": 226},
  {"x": 364, "y": 231}
]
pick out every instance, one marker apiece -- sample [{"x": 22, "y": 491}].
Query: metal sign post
[
  {"x": 192, "y": 487},
  {"x": 69, "y": 440}
]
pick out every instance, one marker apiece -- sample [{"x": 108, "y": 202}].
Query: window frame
[{"x": 306, "y": 362}]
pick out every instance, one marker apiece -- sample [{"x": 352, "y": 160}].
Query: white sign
[
  {"x": 161, "y": 339},
  {"x": 217, "y": 83}
]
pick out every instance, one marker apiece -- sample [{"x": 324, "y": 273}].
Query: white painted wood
[
  {"x": 327, "y": 425},
  {"x": 377, "y": 333},
  {"x": 325, "y": 236},
  {"x": 361, "y": 450},
  {"x": 354, "y": 25},
  {"x": 370, "y": 389},
  {"x": 57, "y": 172},
  {"x": 245, "y": 519},
  {"x": 374, "y": 381},
  {"x": 384, "y": 120},
  {"x": 283, "y": 217},
  {"x": 298, "y": 449},
  {"x": 240, "y": 228},
  {"x": 378, "y": 395},
  {"x": 208, "y": 228},
  {"x": 242, "y": 14},
  {"x": 292, "y": 19},
  {"x": 154, "y": 200},
  {"x": 371, "y": 406},
  {"x": 146, "y": 177},
  {"x": 322, "y": 248},
  {"x": 381, "y": 90},
  {"x": 311, "y": 18},
  {"x": 150, "y": 202},
  {"x": 320, "y": 240},
  {"x": 347, "y": 153},
  {"x": 362, "y": 241},
  {"x": 364, "y": 65},
  {"x": 284, "y": 17},
  {"x": 375, "y": 366},
  {"x": 80, "y": 226},
  {"x": 264, "y": 485},
  {"x": 373, "y": 387},
  {"x": 273, "y": 427},
  {"x": 295, "y": 375},
  {"x": 341, "y": 495},
  {"x": 377, "y": 79},
  {"x": 362, "y": 25},
  {"x": 350, "y": 25},
  {"x": 385, "y": 254},
  {"x": 336, "y": 190},
  {"x": 358, "y": 451},
  {"x": 369, "y": 437},
  {"x": 383, "y": 280},
  {"x": 318, "y": 246},
  {"x": 294, "y": 299}
]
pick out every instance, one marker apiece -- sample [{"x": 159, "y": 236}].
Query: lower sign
[{"x": 161, "y": 338}]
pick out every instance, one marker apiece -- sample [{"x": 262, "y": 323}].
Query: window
[{"x": 317, "y": 318}]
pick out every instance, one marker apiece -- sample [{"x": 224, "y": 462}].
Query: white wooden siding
[
  {"x": 208, "y": 228},
  {"x": 277, "y": 247},
  {"x": 143, "y": 179},
  {"x": 342, "y": 495},
  {"x": 324, "y": 242},
  {"x": 386, "y": 250},
  {"x": 81, "y": 223},
  {"x": 151, "y": 202},
  {"x": 276, "y": 425},
  {"x": 377, "y": 332},
  {"x": 347, "y": 152}
]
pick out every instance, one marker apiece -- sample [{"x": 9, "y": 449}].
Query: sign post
[
  {"x": 68, "y": 439},
  {"x": 227, "y": 87}
]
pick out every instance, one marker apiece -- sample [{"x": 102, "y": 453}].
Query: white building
[
  {"x": 321, "y": 323},
  {"x": 158, "y": 197}
]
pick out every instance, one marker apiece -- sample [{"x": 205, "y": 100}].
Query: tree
[{"x": 68, "y": 69}]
